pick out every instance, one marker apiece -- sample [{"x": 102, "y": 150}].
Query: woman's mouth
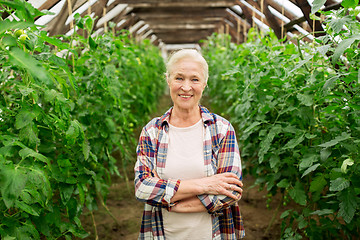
[{"x": 185, "y": 96}]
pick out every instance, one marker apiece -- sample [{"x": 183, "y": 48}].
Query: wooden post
[
  {"x": 245, "y": 34},
  {"x": 105, "y": 23},
  {"x": 253, "y": 17},
  {"x": 262, "y": 10},
  {"x": 89, "y": 8},
  {"x": 282, "y": 25},
  {"x": 313, "y": 27},
  {"x": 70, "y": 13},
  {"x": 238, "y": 31}
]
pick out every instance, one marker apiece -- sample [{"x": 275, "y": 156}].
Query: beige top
[{"x": 185, "y": 160}]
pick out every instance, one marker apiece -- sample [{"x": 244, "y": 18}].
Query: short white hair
[{"x": 187, "y": 53}]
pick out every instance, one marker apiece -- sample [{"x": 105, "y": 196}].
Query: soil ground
[{"x": 127, "y": 210}]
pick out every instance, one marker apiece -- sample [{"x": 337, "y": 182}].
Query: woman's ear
[{"x": 167, "y": 79}]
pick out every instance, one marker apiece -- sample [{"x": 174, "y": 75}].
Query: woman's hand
[
  {"x": 218, "y": 184},
  {"x": 221, "y": 184},
  {"x": 192, "y": 204}
]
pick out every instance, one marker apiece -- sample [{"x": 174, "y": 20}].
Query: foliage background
[
  {"x": 296, "y": 108},
  {"x": 68, "y": 108}
]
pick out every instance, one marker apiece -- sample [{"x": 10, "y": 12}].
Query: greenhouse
[{"x": 92, "y": 91}]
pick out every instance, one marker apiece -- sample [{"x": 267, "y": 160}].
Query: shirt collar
[{"x": 205, "y": 115}]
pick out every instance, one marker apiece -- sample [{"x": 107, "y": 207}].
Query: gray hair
[{"x": 187, "y": 53}]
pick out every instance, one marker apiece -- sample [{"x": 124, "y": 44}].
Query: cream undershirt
[{"x": 185, "y": 160}]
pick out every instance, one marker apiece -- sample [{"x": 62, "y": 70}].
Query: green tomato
[
  {"x": 19, "y": 32},
  {"x": 23, "y": 37}
]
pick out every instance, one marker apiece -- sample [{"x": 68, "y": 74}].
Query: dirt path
[{"x": 128, "y": 211}]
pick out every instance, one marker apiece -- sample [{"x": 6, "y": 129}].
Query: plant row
[
  {"x": 297, "y": 111},
  {"x": 68, "y": 108}
]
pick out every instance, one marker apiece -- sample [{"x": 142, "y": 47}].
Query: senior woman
[{"x": 188, "y": 169}]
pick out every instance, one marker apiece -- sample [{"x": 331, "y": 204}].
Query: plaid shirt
[{"x": 221, "y": 154}]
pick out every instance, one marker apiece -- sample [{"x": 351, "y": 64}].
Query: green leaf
[
  {"x": 339, "y": 184},
  {"x": 9, "y": 41},
  {"x": 27, "y": 152},
  {"x": 252, "y": 125},
  {"x": 9, "y": 238},
  {"x": 285, "y": 214},
  {"x": 349, "y": 3},
  {"x": 12, "y": 182},
  {"x": 93, "y": 45},
  {"x": 348, "y": 204},
  {"x": 346, "y": 162},
  {"x": 344, "y": 136},
  {"x": 322, "y": 212},
  {"x": 317, "y": 4},
  {"x": 27, "y": 208},
  {"x": 330, "y": 82},
  {"x": 266, "y": 143},
  {"x": 89, "y": 23},
  {"x": 23, "y": 118},
  {"x": 317, "y": 184},
  {"x": 24, "y": 60},
  {"x": 343, "y": 45},
  {"x": 305, "y": 99},
  {"x": 6, "y": 25},
  {"x": 284, "y": 183},
  {"x": 81, "y": 193},
  {"x": 66, "y": 191},
  {"x": 54, "y": 41},
  {"x": 86, "y": 149},
  {"x": 298, "y": 194},
  {"x": 307, "y": 161},
  {"x": 310, "y": 169},
  {"x": 73, "y": 131},
  {"x": 325, "y": 154},
  {"x": 294, "y": 142}
]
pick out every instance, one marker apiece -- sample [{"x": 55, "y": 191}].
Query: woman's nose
[{"x": 186, "y": 86}]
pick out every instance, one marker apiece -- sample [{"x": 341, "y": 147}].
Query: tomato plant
[
  {"x": 297, "y": 111},
  {"x": 68, "y": 106}
]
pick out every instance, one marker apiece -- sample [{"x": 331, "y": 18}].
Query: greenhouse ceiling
[{"x": 185, "y": 21}]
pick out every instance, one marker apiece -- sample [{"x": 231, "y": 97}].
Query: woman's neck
[{"x": 185, "y": 117}]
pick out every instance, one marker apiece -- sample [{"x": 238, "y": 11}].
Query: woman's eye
[
  {"x": 195, "y": 79},
  {"x": 178, "y": 78}
]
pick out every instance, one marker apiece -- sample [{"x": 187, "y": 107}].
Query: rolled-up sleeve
[
  {"x": 148, "y": 187},
  {"x": 228, "y": 159}
]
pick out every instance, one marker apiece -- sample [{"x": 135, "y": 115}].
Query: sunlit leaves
[
  {"x": 317, "y": 4},
  {"x": 339, "y": 184},
  {"x": 27, "y": 62}
]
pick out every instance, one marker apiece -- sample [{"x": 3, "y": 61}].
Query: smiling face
[{"x": 186, "y": 81}]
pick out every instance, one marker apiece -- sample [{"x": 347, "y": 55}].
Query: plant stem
[
  {"x": 107, "y": 209},
  {"x": 94, "y": 223},
  {"x": 273, "y": 218}
]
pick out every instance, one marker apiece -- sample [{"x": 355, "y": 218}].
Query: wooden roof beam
[
  {"x": 165, "y": 26},
  {"x": 179, "y": 3},
  {"x": 246, "y": 11},
  {"x": 274, "y": 24},
  {"x": 184, "y": 21},
  {"x": 278, "y": 7},
  {"x": 48, "y": 4},
  {"x": 181, "y": 12}
]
